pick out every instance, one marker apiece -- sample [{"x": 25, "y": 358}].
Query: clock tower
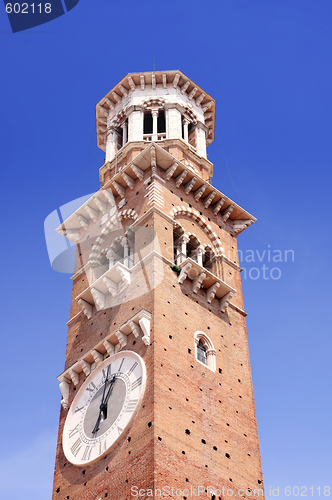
[{"x": 157, "y": 396}]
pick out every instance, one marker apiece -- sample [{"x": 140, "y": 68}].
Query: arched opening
[
  {"x": 161, "y": 122},
  {"x": 205, "y": 351},
  {"x": 192, "y": 135},
  {"x": 208, "y": 258},
  {"x": 192, "y": 247},
  {"x": 122, "y": 251},
  {"x": 148, "y": 125}
]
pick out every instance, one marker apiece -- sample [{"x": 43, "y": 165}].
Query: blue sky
[{"x": 268, "y": 64}]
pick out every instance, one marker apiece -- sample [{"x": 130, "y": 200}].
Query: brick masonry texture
[{"x": 194, "y": 426}]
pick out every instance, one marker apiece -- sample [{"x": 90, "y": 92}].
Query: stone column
[
  {"x": 185, "y": 129},
  {"x": 124, "y": 127},
  {"x": 181, "y": 249},
  {"x": 211, "y": 359},
  {"x": 154, "y": 113},
  {"x": 131, "y": 256},
  {"x": 111, "y": 145},
  {"x": 174, "y": 123},
  {"x": 200, "y": 140},
  {"x": 135, "y": 125},
  {"x": 125, "y": 244},
  {"x": 111, "y": 256},
  {"x": 200, "y": 253}
]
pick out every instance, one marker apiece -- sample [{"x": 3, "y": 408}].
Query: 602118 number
[
  {"x": 304, "y": 491},
  {"x": 26, "y": 8}
]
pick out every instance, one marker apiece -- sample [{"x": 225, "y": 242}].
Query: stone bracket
[
  {"x": 64, "y": 388},
  {"x": 99, "y": 298},
  {"x": 211, "y": 292},
  {"x": 144, "y": 319},
  {"x": 128, "y": 180},
  {"x": 92, "y": 213},
  {"x": 86, "y": 308},
  {"x": 184, "y": 272},
  {"x": 122, "y": 338},
  {"x": 119, "y": 189},
  {"x": 112, "y": 287},
  {"x": 224, "y": 301},
  {"x": 180, "y": 178},
  {"x": 86, "y": 367},
  {"x": 97, "y": 356},
  {"x": 170, "y": 171},
  {"x": 110, "y": 348},
  {"x": 197, "y": 282},
  {"x": 203, "y": 278}
]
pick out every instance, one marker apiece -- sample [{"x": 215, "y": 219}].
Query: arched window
[
  {"x": 205, "y": 351},
  {"x": 208, "y": 257},
  {"x": 154, "y": 125},
  {"x": 121, "y": 251}
]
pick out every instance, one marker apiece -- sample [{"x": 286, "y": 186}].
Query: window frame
[{"x": 210, "y": 350}]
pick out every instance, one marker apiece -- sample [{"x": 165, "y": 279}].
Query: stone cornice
[
  {"x": 134, "y": 83},
  {"x": 233, "y": 264},
  {"x": 145, "y": 162},
  {"x": 238, "y": 309},
  {"x": 122, "y": 153}
]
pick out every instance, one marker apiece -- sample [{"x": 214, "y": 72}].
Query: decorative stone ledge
[
  {"x": 85, "y": 218},
  {"x": 203, "y": 278},
  {"x": 112, "y": 282},
  {"x": 138, "y": 325},
  {"x": 183, "y": 175}
]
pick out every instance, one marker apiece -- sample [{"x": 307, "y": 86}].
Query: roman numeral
[
  {"x": 106, "y": 372},
  {"x": 79, "y": 409},
  {"x": 91, "y": 387},
  {"x": 74, "y": 431},
  {"x": 131, "y": 405},
  {"x": 102, "y": 447},
  {"x": 76, "y": 447},
  {"x": 132, "y": 368},
  {"x": 136, "y": 383},
  {"x": 119, "y": 369},
  {"x": 87, "y": 453},
  {"x": 120, "y": 430}
]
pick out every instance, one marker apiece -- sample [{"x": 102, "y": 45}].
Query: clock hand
[
  {"x": 96, "y": 427},
  {"x": 109, "y": 390},
  {"x": 106, "y": 380},
  {"x": 102, "y": 406}
]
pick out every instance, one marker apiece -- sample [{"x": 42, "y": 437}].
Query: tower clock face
[{"x": 103, "y": 407}]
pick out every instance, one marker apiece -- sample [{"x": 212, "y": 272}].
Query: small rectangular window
[
  {"x": 148, "y": 123},
  {"x": 161, "y": 122}
]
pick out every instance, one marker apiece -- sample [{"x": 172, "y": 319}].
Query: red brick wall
[{"x": 181, "y": 394}]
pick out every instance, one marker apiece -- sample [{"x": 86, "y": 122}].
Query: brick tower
[{"x": 157, "y": 280}]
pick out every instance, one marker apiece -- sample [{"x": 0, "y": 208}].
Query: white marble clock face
[{"x": 103, "y": 407}]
